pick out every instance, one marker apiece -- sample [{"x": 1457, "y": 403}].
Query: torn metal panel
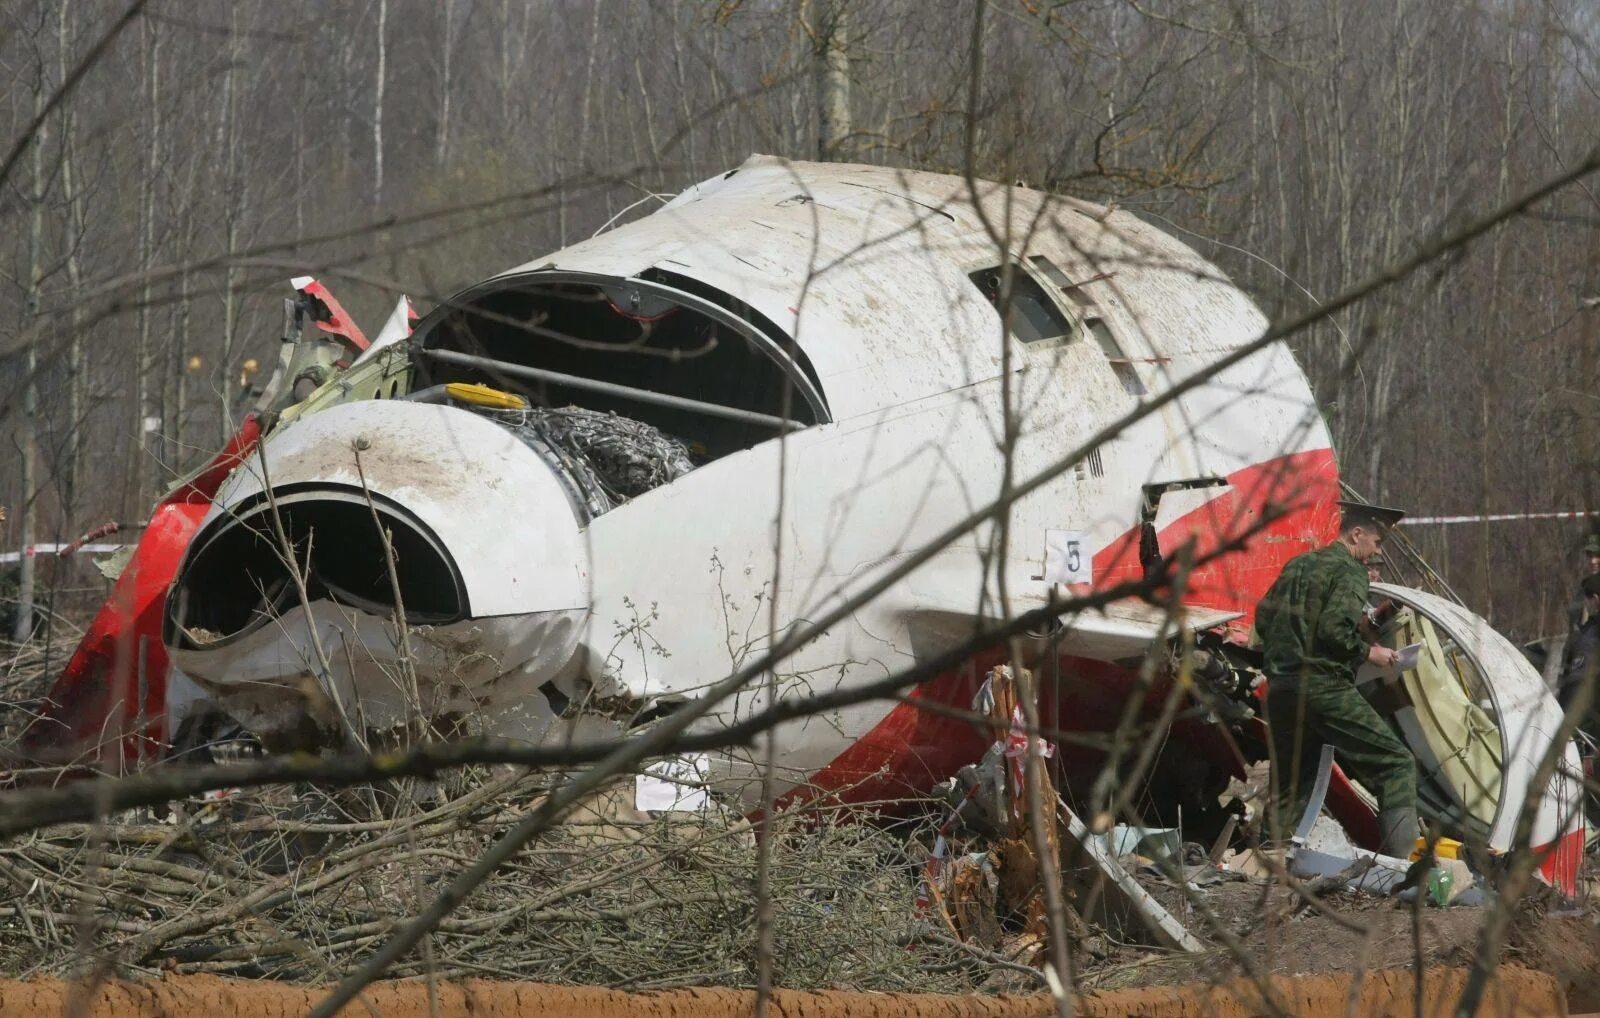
[
  {"x": 1161, "y": 923},
  {"x": 1130, "y": 627},
  {"x": 329, "y": 315},
  {"x": 1319, "y": 793},
  {"x": 395, "y": 328}
]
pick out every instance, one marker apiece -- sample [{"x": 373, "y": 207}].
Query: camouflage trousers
[{"x": 1304, "y": 714}]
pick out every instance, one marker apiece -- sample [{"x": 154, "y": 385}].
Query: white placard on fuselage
[{"x": 1068, "y": 557}]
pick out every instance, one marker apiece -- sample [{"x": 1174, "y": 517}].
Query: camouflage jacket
[{"x": 1310, "y": 621}]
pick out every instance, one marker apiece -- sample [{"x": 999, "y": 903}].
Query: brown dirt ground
[
  {"x": 1520, "y": 992},
  {"x": 1561, "y": 940},
  {"x": 1306, "y": 943}
]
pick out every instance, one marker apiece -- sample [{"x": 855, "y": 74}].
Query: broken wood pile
[{"x": 302, "y": 885}]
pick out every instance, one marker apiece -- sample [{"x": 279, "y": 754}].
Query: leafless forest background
[{"x": 212, "y": 150}]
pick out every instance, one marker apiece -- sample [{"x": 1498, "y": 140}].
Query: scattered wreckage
[{"x": 573, "y": 494}]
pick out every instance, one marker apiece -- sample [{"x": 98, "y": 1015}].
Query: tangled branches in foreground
[{"x": 302, "y": 886}]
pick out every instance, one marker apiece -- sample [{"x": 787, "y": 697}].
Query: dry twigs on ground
[{"x": 303, "y": 885}]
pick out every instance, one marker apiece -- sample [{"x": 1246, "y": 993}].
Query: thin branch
[{"x": 66, "y": 88}]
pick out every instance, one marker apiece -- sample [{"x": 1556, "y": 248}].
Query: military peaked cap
[{"x": 1353, "y": 514}]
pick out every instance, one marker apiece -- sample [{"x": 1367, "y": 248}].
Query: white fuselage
[{"x": 869, "y": 272}]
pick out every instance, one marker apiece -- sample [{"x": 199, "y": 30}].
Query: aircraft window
[
  {"x": 1108, "y": 343},
  {"x": 1050, "y": 271},
  {"x": 1121, "y": 366},
  {"x": 1035, "y": 318}
]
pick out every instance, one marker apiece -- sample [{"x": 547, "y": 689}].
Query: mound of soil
[{"x": 1519, "y": 992}]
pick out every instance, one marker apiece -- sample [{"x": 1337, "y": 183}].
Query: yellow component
[
  {"x": 1447, "y": 848},
  {"x": 482, "y": 395},
  {"x": 1456, "y": 742}
]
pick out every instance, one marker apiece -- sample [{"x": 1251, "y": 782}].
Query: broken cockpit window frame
[{"x": 657, "y": 348}]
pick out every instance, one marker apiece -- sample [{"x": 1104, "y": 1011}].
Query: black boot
[{"x": 1397, "y": 829}]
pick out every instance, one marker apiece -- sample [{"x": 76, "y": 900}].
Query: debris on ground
[
  {"x": 298, "y": 885},
  {"x": 992, "y": 893},
  {"x": 302, "y": 885}
]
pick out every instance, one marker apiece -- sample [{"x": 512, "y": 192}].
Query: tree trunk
[
  {"x": 442, "y": 135},
  {"x": 585, "y": 128},
  {"x": 833, "y": 79},
  {"x": 143, "y": 410},
  {"x": 377, "y": 105},
  {"x": 233, "y": 201},
  {"x": 27, "y": 423},
  {"x": 71, "y": 475}
]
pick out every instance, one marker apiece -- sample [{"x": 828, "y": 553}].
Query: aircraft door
[{"x": 1479, "y": 720}]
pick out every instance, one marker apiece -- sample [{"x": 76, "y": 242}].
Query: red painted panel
[
  {"x": 108, "y": 708},
  {"x": 910, "y": 749},
  {"x": 1562, "y": 860},
  {"x": 338, "y": 321}
]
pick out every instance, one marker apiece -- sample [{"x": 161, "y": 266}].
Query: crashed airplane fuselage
[{"x": 602, "y": 480}]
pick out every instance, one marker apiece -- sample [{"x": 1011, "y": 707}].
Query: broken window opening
[
  {"x": 769, "y": 329},
  {"x": 1034, "y": 317},
  {"x": 699, "y": 366}
]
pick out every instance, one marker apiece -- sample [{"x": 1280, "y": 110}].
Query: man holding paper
[{"x": 1310, "y": 625}]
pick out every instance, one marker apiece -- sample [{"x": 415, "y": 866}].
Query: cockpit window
[
  {"x": 704, "y": 370},
  {"x": 1034, "y": 316},
  {"x": 1094, "y": 323}
]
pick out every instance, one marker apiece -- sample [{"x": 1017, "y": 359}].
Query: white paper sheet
[
  {"x": 673, "y": 785},
  {"x": 1409, "y": 656}
]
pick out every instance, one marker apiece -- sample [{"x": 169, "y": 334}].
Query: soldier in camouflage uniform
[
  {"x": 1312, "y": 642},
  {"x": 1577, "y": 613}
]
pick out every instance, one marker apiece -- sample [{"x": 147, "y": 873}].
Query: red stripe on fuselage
[{"x": 911, "y": 749}]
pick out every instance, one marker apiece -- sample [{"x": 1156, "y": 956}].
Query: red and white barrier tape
[
  {"x": 55, "y": 548},
  {"x": 1496, "y": 518}
]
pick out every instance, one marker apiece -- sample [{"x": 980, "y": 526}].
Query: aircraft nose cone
[{"x": 367, "y": 514}]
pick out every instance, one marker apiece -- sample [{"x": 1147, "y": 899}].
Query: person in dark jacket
[
  {"x": 1310, "y": 626},
  {"x": 1577, "y": 614},
  {"x": 1378, "y": 612},
  {"x": 1583, "y": 649}
]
